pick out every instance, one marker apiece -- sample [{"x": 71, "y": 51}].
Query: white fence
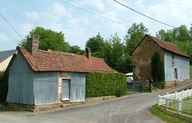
[{"x": 176, "y": 101}]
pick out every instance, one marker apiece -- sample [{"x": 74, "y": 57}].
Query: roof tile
[
  {"x": 65, "y": 62},
  {"x": 168, "y": 46}
]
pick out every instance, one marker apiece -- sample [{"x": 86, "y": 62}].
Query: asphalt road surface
[{"x": 131, "y": 109}]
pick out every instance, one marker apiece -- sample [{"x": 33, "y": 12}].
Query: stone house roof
[
  {"x": 64, "y": 62},
  {"x": 168, "y": 46}
]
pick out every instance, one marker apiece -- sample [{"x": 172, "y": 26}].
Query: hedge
[{"x": 105, "y": 84}]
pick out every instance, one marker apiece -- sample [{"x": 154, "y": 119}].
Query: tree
[
  {"x": 180, "y": 33},
  {"x": 76, "y": 49},
  {"x": 115, "y": 55},
  {"x": 181, "y": 36},
  {"x": 134, "y": 35},
  {"x": 96, "y": 44},
  {"x": 48, "y": 39},
  {"x": 166, "y": 35},
  {"x": 157, "y": 70}
]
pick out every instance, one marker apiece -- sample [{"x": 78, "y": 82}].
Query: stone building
[
  {"x": 176, "y": 62},
  {"x": 39, "y": 77}
]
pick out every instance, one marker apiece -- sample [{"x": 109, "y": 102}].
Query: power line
[
  {"x": 143, "y": 14},
  {"x": 94, "y": 11},
  {"x": 10, "y": 36},
  {"x": 12, "y": 27}
]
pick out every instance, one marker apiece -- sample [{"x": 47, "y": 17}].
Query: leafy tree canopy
[
  {"x": 180, "y": 33},
  {"x": 49, "y": 39},
  {"x": 181, "y": 36},
  {"x": 134, "y": 35},
  {"x": 76, "y": 49},
  {"x": 96, "y": 44}
]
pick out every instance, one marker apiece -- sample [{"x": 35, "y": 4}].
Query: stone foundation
[
  {"x": 171, "y": 84},
  {"x": 33, "y": 108},
  {"x": 19, "y": 107}
]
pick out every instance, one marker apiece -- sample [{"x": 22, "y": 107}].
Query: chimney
[
  {"x": 88, "y": 52},
  {"x": 33, "y": 44}
]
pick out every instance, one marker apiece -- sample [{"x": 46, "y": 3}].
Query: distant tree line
[
  {"x": 114, "y": 50},
  {"x": 181, "y": 36}
]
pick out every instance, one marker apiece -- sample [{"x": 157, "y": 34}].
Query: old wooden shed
[
  {"x": 176, "y": 62},
  {"x": 38, "y": 77}
]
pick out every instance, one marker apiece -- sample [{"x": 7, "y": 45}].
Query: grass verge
[{"x": 167, "y": 116}]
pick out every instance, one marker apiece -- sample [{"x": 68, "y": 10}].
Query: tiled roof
[
  {"x": 64, "y": 62},
  {"x": 5, "y": 54},
  {"x": 168, "y": 46}
]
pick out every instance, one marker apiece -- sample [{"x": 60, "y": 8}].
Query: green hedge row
[{"x": 105, "y": 84}]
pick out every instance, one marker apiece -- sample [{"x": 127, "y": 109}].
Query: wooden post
[
  {"x": 182, "y": 93},
  {"x": 175, "y": 95},
  {"x": 140, "y": 86},
  {"x": 158, "y": 100},
  {"x": 166, "y": 103},
  {"x": 187, "y": 92},
  {"x": 179, "y": 108}
]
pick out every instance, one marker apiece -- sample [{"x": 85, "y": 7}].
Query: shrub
[
  {"x": 157, "y": 70},
  {"x": 105, "y": 84}
]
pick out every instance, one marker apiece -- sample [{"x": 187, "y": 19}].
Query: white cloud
[
  {"x": 25, "y": 28},
  {"x": 140, "y": 3},
  {"x": 60, "y": 10},
  {"x": 34, "y": 15},
  {"x": 172, "y": 12}
]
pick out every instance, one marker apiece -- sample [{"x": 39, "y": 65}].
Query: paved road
[{"x": 131, "y": 109}]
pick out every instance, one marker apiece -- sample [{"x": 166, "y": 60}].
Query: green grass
[
  {"x": 167, "y": 116},
  {"x": 190, "y": 71},
  {"x": 186, "y": 105}
]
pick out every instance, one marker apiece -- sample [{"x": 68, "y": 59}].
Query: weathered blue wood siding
[
  {"x": 172, "y": 61},
  {"x": 39, "y": 88},
  {"x": 45, "y": 87},
  {"x": 77, "y": 86},
  {"x": 20, "y": 82}
]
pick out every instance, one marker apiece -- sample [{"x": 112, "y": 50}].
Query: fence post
[
  {"x": 167, "y": 102},
  {"x": 175, "y": 95},
  {"x": 167, "y": 95},
  {"x": 158, "y": 100},
  {"x": 182, "y": 93},
  {"x": 179, "y": 108}
]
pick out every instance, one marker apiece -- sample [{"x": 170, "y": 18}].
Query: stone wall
[{"x": 142, "y": 58}]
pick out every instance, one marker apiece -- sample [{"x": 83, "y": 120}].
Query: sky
[{"x": 81, "y": 19}]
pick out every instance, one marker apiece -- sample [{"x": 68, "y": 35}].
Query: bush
[
  {"x": 157, "y": 71},
  {"x": 3, "y": 86},
  {"x": 105, "y": 84}
]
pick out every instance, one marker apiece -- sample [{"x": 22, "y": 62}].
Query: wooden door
[{"x": 65, "y": 89}]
